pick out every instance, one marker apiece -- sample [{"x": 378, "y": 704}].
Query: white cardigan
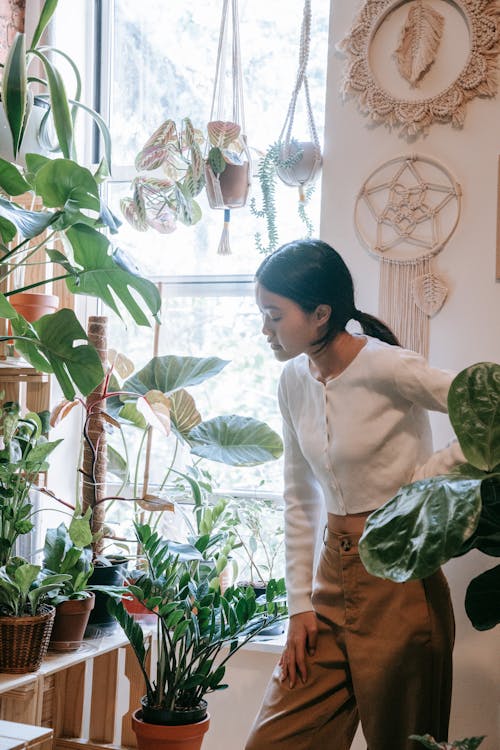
[{"x": 352, "y": 443}]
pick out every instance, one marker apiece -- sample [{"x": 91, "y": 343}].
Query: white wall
[{"x": 467, "y": 328}]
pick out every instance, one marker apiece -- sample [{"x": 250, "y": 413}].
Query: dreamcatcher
[
  {"x": 406, "y": 211},
  {"x": 227, "y": 166}
]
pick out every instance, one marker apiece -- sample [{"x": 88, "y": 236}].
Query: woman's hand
[{"x": 302, "y": 634}]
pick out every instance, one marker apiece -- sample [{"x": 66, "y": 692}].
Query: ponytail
[{"x": 372, "y": 326}]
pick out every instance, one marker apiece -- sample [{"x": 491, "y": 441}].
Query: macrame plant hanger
[
  {"x": 291, "y": 169},
  {"x": 227, "y": 168}
]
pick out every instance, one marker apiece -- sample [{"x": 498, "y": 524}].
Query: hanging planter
[
  {"x": 299, "y": 165},
  {"x": 227, "y": 164}
]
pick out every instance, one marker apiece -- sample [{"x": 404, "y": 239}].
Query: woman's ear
[{"x": 322, "y": 313}]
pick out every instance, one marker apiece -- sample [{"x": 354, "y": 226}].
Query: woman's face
[{"x": 289, "y": 330}]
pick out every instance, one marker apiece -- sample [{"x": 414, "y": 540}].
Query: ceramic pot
[
  {"x": 305, "y": 170},
  {"x": 70, "y": 622},
  {"x": 230, "y": 188},
  {"x": 24, "y": 641},
  {"x": 168, "y": 737}
]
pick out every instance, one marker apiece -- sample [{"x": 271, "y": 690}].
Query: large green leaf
[
  {"x": 107, "y": 276},
  {"x": 11, "y": 179},
  {"x": 421, "y": 527},
  {"x": 14, "y": 89},
  {"x": 28, "y": 223},
  {"x": 52, "y": 348},
  {"x": 474, "y": 409},
  {"x": 60, "y": 181},
  {"x": 482, "y": 599},
  {"x": 235, "y": 440},
  {"x": 169, "y": 373}
]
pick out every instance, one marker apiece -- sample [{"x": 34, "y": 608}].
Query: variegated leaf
[
  {"x": 121, "y": 363},
  {"x": 61, "y": 411},
  {"x": 429, "y": 293},
  {"x": 221, "y": 134},
  {"x": 155, "y": 407},
  {"x": 154, "y": 151},
  {"x": 183, "y": 412},
  {"x": 131, "y": 214},
  {"x": 419, "y": 41}
]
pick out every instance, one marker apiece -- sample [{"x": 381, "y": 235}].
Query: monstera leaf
[
  {"x": 235, "y": 440},
  {"x": 104, "y": 275}
]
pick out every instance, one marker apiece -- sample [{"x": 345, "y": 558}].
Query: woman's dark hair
[{"x": 312, "y": 273}]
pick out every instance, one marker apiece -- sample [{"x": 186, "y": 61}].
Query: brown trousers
[{"x": 383, "y": 656}]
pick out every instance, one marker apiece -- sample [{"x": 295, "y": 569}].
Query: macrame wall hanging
[
  {"x": 417, "y": 51},
  {"x": 405, "y": 213},
  {"x": 292, "y": 169},
  {"x": 227, "y": 167}
]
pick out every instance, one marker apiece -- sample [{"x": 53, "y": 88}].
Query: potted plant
[
  {"x": 198, "y": 630},
  {"x": 68, "y": 551},
  {"x": 25, "y": 618},
  {"x": 277, "y": 162},
  {"x": 21, "y": 109},
  {"x": 23, "y": 455},
  {"x": 228, "y": 166},
  {"x": 432, "y": 520},
  {"x": 468, "y": 743},
  {"x": 70, "y": 210}
]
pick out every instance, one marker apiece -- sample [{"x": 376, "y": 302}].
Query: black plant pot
[
  {"x": 176, "y": 717},
  {"x": 105, "y": 575}
]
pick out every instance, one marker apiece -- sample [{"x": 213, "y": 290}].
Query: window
[{"x": 157, "y": 61}]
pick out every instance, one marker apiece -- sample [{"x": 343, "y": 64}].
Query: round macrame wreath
[{"x": 477, "y": 78}]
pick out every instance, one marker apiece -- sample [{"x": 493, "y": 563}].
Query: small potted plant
[
  {"x": 23, "y": 455},
  {"x": 25, "y": 618},
  {"x": 68, "y": 551},
  {"x": 198, "y": 630}
]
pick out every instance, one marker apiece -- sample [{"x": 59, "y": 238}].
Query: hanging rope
[
  {"x": 237, "y": 175},
  {"x": 289, "y": 175}
]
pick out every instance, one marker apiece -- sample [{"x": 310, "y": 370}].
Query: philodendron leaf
[
  {"x": 482, "y": 599},
  {"x": 421, "y": 527},
  {"x": 184, "y": 415},
  {"x": 11, "y": 179},
  {"x": 28, "y": 223},
  {"x": 474, "y": 409},
  {"x": 107, "y": 276},
  {"x": 50, "y": 346},
  {"x": 63, "y": 180},
  {"x": 169, "y": 373},
  {"x": 235, "y": 440},
  {"x": 79, "y": 529}
]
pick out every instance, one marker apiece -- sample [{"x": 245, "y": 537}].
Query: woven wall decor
[
  {"x": 477, "y": 78},
  {"x": 405, "y": 213}
]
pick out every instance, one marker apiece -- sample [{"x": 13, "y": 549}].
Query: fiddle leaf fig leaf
[
  {"x": 421, "y": 527},
  {"x": 474, "y": 409},
  {"x": 235, "y": 440},
  {"x": 482, "y": 599}
]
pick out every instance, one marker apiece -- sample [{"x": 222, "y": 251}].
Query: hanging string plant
[
  {"x": 227, "y": 164},
  {"x": 296, "y": 163}
]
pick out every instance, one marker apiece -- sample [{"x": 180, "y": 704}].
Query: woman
[{"x": 356, "y": 429}]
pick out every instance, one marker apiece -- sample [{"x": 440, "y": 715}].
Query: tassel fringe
[{"x": 224, "y": 246}]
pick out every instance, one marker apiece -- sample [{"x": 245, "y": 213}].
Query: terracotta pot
[
  {"x": 305, "y": 170},
  {"x": 230, "y": 188},
  {"x": 24, "y": 641},
  {"x": 70, "y": 622},
  {"x": 32, "y": 305},
  {"x": 168, "y": 737}
]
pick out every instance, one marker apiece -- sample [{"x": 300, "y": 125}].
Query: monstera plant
[
  {"x": 69, "y": 209},
  {"x": 432, "y": 520}
]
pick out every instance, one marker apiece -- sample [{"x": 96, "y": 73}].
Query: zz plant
[{"x": 432, "y": 520}]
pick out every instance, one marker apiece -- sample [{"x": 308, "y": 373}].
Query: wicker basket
[{"x": 24, "y": 641}]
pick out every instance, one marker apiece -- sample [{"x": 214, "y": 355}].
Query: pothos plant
[
  {"x": 432, "y": 520},
  {"x": 174, "y": 157}
]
